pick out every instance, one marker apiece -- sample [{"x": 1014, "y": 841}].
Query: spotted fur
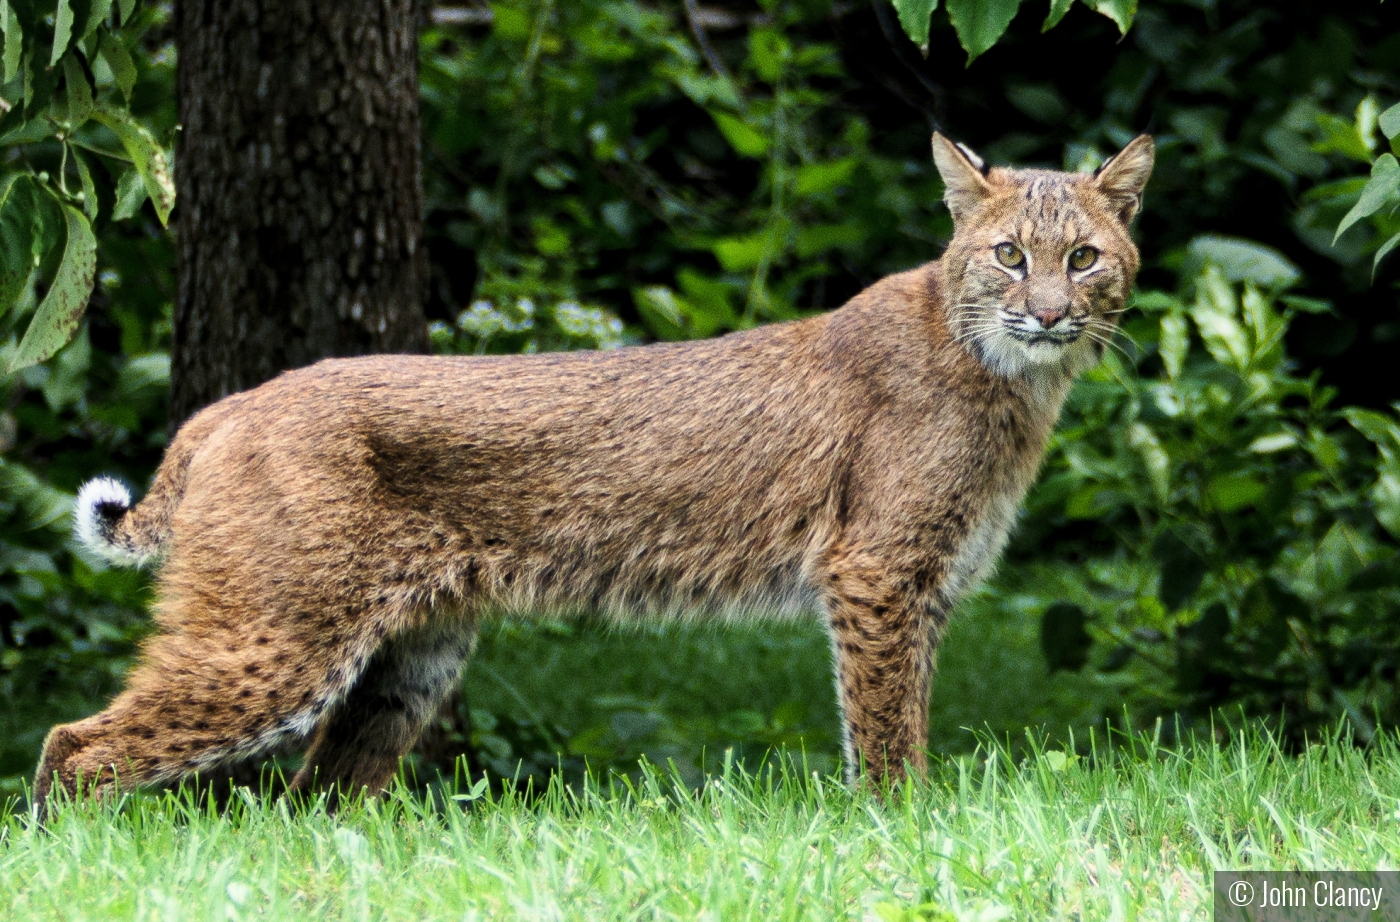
[{"x": 329, "y": 542}]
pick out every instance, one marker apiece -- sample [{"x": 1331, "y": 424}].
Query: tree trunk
[
  {"x": 299, "y": 184},
  {"x": 299, "y": 190}
]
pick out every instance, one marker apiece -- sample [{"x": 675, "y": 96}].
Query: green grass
[
  {"x": 1029, "y": 832},
  {"x": 1128, "y": 832}
]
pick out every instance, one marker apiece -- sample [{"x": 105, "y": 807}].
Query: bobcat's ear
[
  {"x": 964, "y": 176},
  {"x": 1123, "y": 176}
]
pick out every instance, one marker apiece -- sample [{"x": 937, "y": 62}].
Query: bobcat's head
[{"x": 1041, "y": 261}]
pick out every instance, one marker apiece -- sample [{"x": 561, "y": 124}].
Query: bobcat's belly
[{"x": 635, "y": 591}]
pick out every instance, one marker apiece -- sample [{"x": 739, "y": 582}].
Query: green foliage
[
  {"x": 67, "y": 629},
  {"x": 1226, "y": 522},
  {"x": 727, "y": 213},
  {"x": 65, "y": 127},
  {"x": 980, "y": 24},
  {"x": 1379, "y": 198}
]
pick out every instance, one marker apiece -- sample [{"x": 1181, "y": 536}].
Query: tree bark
[
  {"x": 298, "y": 179},
  {"x": 299, "y": 189}
]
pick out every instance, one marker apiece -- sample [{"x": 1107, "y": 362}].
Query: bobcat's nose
[{"x": 1049, "y": 316}]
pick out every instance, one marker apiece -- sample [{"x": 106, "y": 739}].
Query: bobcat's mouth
[{"x": 1047, "y": 338}]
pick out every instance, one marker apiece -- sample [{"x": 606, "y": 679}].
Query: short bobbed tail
[
  {"x": 99, "y": 520},
  {"x": 107, "y": 524}
]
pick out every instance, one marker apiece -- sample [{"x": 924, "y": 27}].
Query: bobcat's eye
[
  {"x": 1083, "y": 258},
  {"x": 1008, "y": 255}
]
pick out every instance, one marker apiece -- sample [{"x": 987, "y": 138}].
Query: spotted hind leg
[
  {"x": 200, "y": 697},
  {"x": 360, "y": 742}
]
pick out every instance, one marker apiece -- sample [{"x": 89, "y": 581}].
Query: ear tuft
[
  {"x": 973, "y": 157},
  {"x": 964, "y": 176},
  {"x": 1123, "y": 176}
]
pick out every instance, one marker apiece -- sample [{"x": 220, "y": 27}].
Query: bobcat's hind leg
[
  {"x": 200, "y": 697},
  {"x": 360, "y": 742},
  {"x": 883, "y": 642}
]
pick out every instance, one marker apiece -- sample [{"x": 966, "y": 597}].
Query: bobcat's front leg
[{"x": 883, "y": 637}]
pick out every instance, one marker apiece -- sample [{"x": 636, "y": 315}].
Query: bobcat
[{"x": 329, "y": 542}]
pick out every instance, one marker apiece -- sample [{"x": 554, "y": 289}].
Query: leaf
[
  {"x": 741, "y": 253},
  {"x": 1174, "y": 344},
  {"x": 1383, "y": 431},
  {"x": 1241, "y": 260},
  {"x": 1340, "y": 136},
  {"x": 980, "y": 23},
  {"x": 57, "y": 317},
  {"x": 131, "y": 194},
  {"x": 1233, "y": 492},
  {"x": 1337, "y": 558},
  {"x": 1063, "y": 639},
  {"x": 914, "y": 16},
  {"x": 1383, "y": 252},
  {"x": 38, "y": 503},
  {"x": 1382, "y": 189},
  {"x": 78, "y": 89},
  {"x": 664, "y": 312},
  {"x": 62, "y": 30},
  {"x": 126, "y": 8},
  {"x": 1390, "y": 122},
  {"x": 746, "y": 140},
  {"x": 14, "y": 40},
  {"x": 819, "y": 238},
  {"x": 1154, "y": 458},
  {"x": 145, "y": 153},
  {"x": 1058, "y": 9},
  {"x": 818, "y": 178},
  {"x": 29, "y": 226},
  {"x": 1120, "y": 11},
  {"x": 1277, "y": 441},
  {"x": 708, "y": 300},
  {"x": 89, "y": 187},
  {"x": 1217, "y": 315},
  {"x": 16, "y": 241},
  {"x": 635, "y": 725},
  {"x": 477, "y": 791},
  {"x": 119, "y": 60},
  {"x": 768, "y": 53},
  {"x": 98, "y": 12}
]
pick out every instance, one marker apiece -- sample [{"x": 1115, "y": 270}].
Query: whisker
[
  {"x": 1105, "y": 329},
  {"x": 1105, "y": 341},
  {"x": 981, "y": 322},
  {"x": 976, "y": 318},
  {"x": 1117, "y": 330},
  {"x": 977, "y": 333}
]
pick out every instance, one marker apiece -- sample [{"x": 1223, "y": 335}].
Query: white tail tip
[{"x": 101, "y": 504}]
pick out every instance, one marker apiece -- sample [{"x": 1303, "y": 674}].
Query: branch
[{"x": 692, "y": 16}]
